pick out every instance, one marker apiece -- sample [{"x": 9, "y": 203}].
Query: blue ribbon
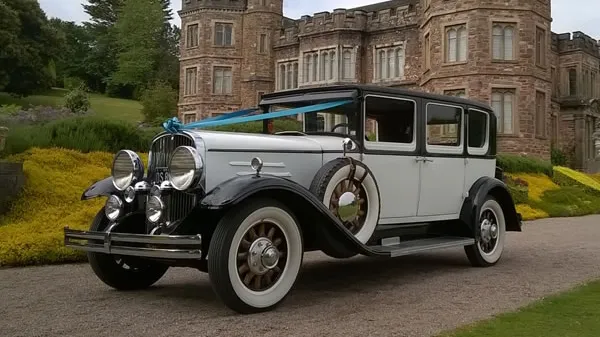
[{"x": 173, "y": 125}]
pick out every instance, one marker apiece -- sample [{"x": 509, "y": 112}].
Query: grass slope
[
  {"x": 105, "y": 107},
  {"x": 569, "y": 314}
]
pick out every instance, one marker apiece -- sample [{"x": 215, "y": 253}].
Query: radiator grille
[{"x": 178, "y": 204}]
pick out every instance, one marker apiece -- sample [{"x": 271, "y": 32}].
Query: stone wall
[{"x": 12, "y": 180}]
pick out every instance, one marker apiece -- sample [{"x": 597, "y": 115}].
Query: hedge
[
  {"x": 31, "y": 233},
  {"x": 521, "y": 164},
  {"x": 88, "y": 134}
]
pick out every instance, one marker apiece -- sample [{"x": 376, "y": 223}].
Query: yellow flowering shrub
[
  {"x": 32, "y": 232},
  {"x": 537, "y": 184},
  {"x": 596, "y": 177},
  {"x": 566, "y": 176},
  {"x": 530, "y": 213}
]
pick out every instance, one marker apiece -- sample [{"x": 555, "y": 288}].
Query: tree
[
  {"x": 101, "y": 60},
  {"x": 72, "y": 61},
  {"x": 29, "y": 46},
  {"x": 148, "y": 44}
]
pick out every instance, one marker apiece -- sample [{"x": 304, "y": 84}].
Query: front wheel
[
  {"x": 123, "y": 273},
  {"x": 490, "y": 232},
  {"x": 255, "y": 256}
]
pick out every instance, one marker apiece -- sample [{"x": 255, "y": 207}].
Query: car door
[
  {"x": 390, "y": 124},
  {"x": 442, "y": 161}
]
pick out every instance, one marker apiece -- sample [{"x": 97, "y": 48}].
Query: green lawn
[
  {"x": 112, "y": 108},
  {"x": 575, "y": 313}
]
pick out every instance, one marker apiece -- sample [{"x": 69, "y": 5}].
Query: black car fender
[
  {"x": 104, "y": 187},
  {"x": 477, "y": 193},
  {"x": 313, "y": 215}
]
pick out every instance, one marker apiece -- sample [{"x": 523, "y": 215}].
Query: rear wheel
[
  {"x": 123, "y": 272},
  {"x": 255, "y": 256},
  {"x": 490, "y": 234}
]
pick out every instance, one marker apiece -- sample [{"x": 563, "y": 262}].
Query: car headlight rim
[
  {"x": 185, "y": 168},
  {"x": 113, "y": 208},
  {"x": 154, "y": 209},
  {"x": 127, "y": 169}
]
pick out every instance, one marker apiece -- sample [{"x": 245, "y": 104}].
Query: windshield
[{"x": 338, "y": 120}]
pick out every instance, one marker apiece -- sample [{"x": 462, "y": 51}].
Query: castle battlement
[
  {"x": 576, "y": 41},
  {"x": 346, "y": 19}
]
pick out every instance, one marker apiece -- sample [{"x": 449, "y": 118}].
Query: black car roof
[{"x": 381, "y": 89}]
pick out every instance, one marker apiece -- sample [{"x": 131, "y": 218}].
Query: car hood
[{"x": 229, "y": 141}]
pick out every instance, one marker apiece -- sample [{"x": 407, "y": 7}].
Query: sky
[{"x": 568, "y": 15}]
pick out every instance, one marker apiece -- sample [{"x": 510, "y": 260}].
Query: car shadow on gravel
[{"x": 338, "y": 278}]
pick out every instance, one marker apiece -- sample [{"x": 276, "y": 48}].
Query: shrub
[
  {"x": 568, "y": 201},
  {"x": 82, "y": 134},
  {"x": 537, "y": 184},
  {"x": 31, "y": 233},
  {"x": 77, "y": 100},
  {"x": 558, "y": 157},
  {"x": 9, "y": 109},
  {"x": 565, "y": 176},
  {"x": 159, "y": 102},
  {"x": 521, "y": 164},
  {"x": 530, "y": 213},
  {"x": 517, "y": 188},
  {"x": 34, "y": 115},
  {"x": 71, "y": 83}
]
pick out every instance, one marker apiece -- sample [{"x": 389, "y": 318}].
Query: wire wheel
[{"x": 261, "y": 255}]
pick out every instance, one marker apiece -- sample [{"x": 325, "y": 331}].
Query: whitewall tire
[
  {"x": 490, "y": 234},
  {"x": 255, "y": 256},
  {"x": 339, "y": 179}
]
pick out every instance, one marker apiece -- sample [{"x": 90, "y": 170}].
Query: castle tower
[
  {"x": 225, "y": 58},
  {"x": 262, "y": 25},
  {"x": 497, "y": 51}
]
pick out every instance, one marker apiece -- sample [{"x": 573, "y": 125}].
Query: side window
[
  {"x": 444, "y": 125},
  {"x": 478, "y": 131},
  {"x": 390, "y": 120}
]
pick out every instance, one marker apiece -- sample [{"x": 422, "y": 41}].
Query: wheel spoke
[
  {"x": 261, "y": 230},
  {"x": 257, "y": 282},
  {"x": 277, "y": 242},
  {"x": 242, "y": 256},
  {"x": 248, "y": 278},
  {"x": 243, "y": 269},
  {"x": 271, "y": 233}
]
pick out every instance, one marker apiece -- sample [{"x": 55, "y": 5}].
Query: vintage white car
[{"x": 376, "y": 171}]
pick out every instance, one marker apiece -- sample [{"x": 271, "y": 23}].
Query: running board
[{"x": 421, "y": 245}]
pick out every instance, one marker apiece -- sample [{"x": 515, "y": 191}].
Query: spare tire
[{"x": 350, "y": 182}]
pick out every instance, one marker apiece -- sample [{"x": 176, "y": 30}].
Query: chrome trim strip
[{"x": 192, "y": 244}]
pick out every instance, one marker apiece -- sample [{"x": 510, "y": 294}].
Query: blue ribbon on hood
[{"x": 173, "y": 125}]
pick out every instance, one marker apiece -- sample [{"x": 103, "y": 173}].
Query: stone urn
[{"x": 3, "y": 135}]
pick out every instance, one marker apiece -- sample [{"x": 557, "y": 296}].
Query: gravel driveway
[{"x": 409, "y": 296}]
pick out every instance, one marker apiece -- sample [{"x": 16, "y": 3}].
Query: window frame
[
  {"x": 445, "y": 149},
  {"x": 390, "y": 146},
  {"x": 544, "y": 134},
  {"x": 500, "y": 115},
  {"x": 483, "y": 150},
  {"x": 187, "y": 35},
  {"x": 185, "y": 81},
  {"x": 515, "y": 43},
  {"x": 446, "y": 43},
  {"x": 215, "y": 68},
  {"x": 225, "y": 24},
  {"x": 542, "y": 63}
]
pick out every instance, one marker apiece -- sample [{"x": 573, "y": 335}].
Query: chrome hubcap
[
  {"x": 261, "y": 255},
  {"x": 488, "y": 233}
]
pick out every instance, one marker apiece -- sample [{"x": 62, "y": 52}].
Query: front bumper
[{"x": 142, "y": 245}]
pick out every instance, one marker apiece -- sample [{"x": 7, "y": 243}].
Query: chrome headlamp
[
  {"x": 185, "y": 168},
  {"x": 154, "y": 209},
  {"x": 127, "y": 169},
  {"x": 113, "y": 208}
]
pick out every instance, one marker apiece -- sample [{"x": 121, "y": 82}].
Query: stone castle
[{"x": 542, "y": 85}]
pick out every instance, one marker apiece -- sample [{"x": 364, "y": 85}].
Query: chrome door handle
[{"x": 424, "y": 159}]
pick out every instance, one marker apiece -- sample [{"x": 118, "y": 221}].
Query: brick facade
[{"x": 500, "y": 52}]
